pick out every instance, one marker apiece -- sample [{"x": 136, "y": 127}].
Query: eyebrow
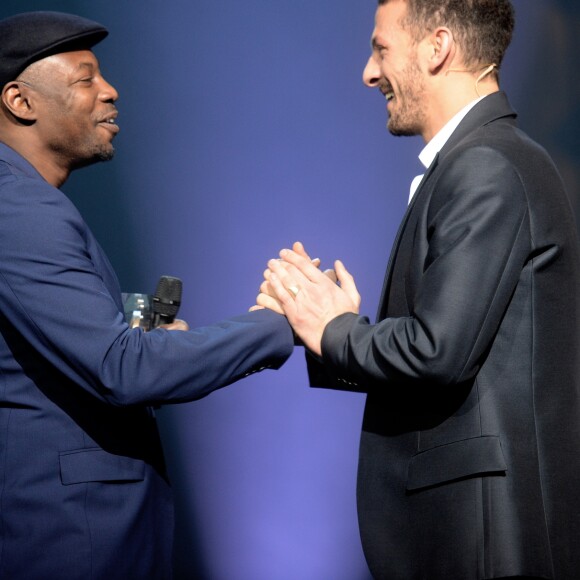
[{"x": 83, "y": 65}]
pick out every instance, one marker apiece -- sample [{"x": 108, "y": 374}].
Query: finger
[
  {"x": 265, "y": 288},
  {"x": 265, "y": 301},
  {"x": 303, "y": 264},
  {"x": 290, "y": 277},
  {"x": 298, "y": 247},
  {"x": 278, "y": 262},
  {"x": 282, "y": 270},
  {"x": 331, "y": 275},
  {"x": 255, "y": 307},
  {"x": 177, "y": 324},
  {"x": 268, "y": 270},
  {"x": 284, "y": 296},
  {"x": 347, "y": 282}
]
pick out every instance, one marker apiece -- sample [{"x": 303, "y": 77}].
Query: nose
[
  {"x": 371, "y": 73},
  {"x": 108, "y": 91}
]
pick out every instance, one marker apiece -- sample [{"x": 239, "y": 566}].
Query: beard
[
  {"x": 408, "y": 116},
  {"x": 98, "y": 154},
  {"x": 105, "y": 154}
]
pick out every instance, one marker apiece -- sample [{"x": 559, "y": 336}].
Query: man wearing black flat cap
[{"x": 83, "y": 487}]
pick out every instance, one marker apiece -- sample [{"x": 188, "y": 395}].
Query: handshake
[{"x": 295, "y": 287}]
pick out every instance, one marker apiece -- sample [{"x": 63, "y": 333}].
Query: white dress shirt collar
[
  {"x": 437, "y": 143},
  {"x": 430, "y": 150}
]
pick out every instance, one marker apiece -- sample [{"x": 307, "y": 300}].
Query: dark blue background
[{"x": 245, "y": 126}]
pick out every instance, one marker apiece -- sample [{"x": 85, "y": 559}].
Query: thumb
[
  {"x": 347, "y": 283},
  {"x": 177, "y": 324}
]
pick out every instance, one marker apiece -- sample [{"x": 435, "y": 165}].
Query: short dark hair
[{"x": 482, "y": 28}]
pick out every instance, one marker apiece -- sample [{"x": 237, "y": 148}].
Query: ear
[
  {"x": 441, "y": 49},
  {"x": 18, "y": 100}
]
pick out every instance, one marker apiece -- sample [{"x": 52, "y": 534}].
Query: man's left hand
[{"x": 308, "y": 297}]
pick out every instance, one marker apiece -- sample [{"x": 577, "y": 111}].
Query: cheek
[
  {"x": 391, "y": 72},
  {"x": 384, "y": 69}
]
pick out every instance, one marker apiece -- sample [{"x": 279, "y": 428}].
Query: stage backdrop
[{"x": 245, "y": 127}]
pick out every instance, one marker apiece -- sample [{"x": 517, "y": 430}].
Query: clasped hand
[{"x": 310, "y": 299}]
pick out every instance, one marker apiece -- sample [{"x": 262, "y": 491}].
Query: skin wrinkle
[{"x": 66, "y": 103}]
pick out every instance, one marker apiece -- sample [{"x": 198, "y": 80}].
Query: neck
[
  {"x": 52, "y": 172},
  {"x": 451, "y": 97},
  {"x": 44, "y": 163}
]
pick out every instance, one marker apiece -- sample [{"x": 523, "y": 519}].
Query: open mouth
[
  {"x": 110, "y": 122},
  {"x": 109, "y": 118},
  {"x": 110, "y": 125},
  {"x": 388, "y": 91}
]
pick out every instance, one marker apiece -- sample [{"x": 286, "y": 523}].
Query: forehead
[
  {"x": 66, "y": 63},
  {"x": 388, "y": 18}
]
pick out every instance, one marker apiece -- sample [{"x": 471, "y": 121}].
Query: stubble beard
[
  {"x": 100, "y": 154},
  {"x": 105, "y": 154},
  {"x": 408, "y": 116}
]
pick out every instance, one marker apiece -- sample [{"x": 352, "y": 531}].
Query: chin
[
  {"x": 103, "y": 153},
  {"x": 97, "y": 157},
  {"x": 399, "y": 129},
  {"x": 106, "y": 155}
]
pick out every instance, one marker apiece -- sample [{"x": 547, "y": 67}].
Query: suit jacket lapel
[
  {"x": 381, "y": 313},
  {"x": 493, "y": 107}
]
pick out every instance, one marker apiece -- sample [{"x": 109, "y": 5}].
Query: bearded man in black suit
[{"x": 470, "y": 450}]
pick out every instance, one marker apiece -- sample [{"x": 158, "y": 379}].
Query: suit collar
[
  {"x": 437, "y": 143},
  {"x": 17, "y": 162},
  {"x": 493, "y": 107}
]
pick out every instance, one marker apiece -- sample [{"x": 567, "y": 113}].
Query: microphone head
[{"x": 167, "y": 297}]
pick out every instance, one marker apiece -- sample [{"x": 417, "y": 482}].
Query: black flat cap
[{"x": 31, "y": 36}]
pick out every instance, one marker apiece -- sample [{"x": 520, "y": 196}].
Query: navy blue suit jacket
[
  {"x": 83, "y": 488},
  {"x": 470, "y": 449}
]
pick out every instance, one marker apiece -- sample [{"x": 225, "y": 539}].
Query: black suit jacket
[{"x": 470, "y": 450}]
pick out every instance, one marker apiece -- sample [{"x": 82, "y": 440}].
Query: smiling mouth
[
  {"x": 110, "y": 124},
  {"x": 109, "y": 118},
  {"x": 387, "y": 90}
]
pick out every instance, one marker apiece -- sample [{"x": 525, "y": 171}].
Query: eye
[{"x": 380, "y": 50}]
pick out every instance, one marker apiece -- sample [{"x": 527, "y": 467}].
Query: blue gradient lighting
[{"x": 244, "y": 127}]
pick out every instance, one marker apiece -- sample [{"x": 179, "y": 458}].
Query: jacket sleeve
[
  {"x": 56, "y": 302},
  {"x": 475, "y": 242}
]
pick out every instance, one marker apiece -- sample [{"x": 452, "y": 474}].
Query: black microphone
[{"x": 166, "y": 300}]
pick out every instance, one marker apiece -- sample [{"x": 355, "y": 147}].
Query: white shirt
[{"x": 430, "y": 150}]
